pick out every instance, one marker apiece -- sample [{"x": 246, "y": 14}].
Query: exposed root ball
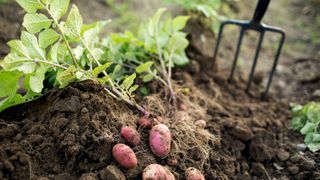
[{"x": 190, "y": 143}]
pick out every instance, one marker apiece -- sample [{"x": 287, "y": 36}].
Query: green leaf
[
  {"x": 145, "y": 67},
  {"x": 30, "y": 41},
  {"x": 66, "y": 77},
  {"x": 180, "y": 22},
  {"x": 147, "y": 78},
  {"x": 58, "y": 8},
  {"x": 47, "y": 38},
  {"x": 133, "y": 88},
  {"x": 177, "y": 41},
  {"x": 101, "y": 68},
  {"x": 313, "y": 112},
  {"x": 18, "y": 48},
  {"x": 13, "y": 62},
  {"x": 153, "y": 25},
  {"x": 9, "y": 83},
  {"x": 8, "y": 102},
  {"x": 314, "y": 147},
  {"x": 91, "y": 32},
  {"x": 144, "y": 91},
  {"x": 309, "y": 127},
  {"x": 180, "y": 59},
  {"x": 128, "y": 81},
  {"x": 74, "y": 22},
  {"x": 35, "y": 22},
  {"x": 298, "y": 122},
  {"x": 31, "y": 6},
  {"x": 36, "y": 79}
]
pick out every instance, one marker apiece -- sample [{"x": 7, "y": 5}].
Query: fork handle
[{"x": 261, "y": 9}]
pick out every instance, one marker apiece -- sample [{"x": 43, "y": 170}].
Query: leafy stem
[
  {"x": 41, "y": 61},
  {"x": 61, "y": 31}
]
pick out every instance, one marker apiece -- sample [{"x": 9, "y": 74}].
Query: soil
[{"x": 69, "y": 133}]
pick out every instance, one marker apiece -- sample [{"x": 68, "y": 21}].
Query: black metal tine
[
  {"x": 283, "y": 36},
  {"x": 216, "y": 49},
  {"x": 237, "y": 54},
  {"x": 255, "y": 60}
]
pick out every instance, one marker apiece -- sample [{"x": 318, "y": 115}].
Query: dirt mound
[{"x": 69, "y": 133}]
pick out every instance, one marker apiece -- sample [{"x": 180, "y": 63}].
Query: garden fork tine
[{"x": 256, "y": 25}]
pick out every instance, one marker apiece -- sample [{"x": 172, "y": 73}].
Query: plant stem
[
  {"x": 42, "y": 61},
  {"x": 128, "y": 101},
  {"x": 172, "y": 94},
  {"x": 62, "y": 33}
]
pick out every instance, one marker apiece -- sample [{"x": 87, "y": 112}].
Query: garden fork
[{"x": 256, "y": 25}]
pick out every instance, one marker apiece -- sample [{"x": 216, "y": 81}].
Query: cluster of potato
[{"x": 160, "y": 145}]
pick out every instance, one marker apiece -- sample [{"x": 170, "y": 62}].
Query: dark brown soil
[{"x": 69, "y": 133}]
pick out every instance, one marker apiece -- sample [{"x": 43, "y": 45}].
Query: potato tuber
[
  {"x": 157, "y": 172},
  {"x": 125, "y": 156},
  {"x": 131, "y": 135},
  {"x": 160, "y": 140},
  {"x": 194, "y": 174}
]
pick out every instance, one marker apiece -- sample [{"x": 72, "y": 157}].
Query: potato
[
  {"x": 131, "y": 135},
  {"x": 157, "y": 172},
  {"x": 145, "y": 122},
  {"x": 194, "y": 174},
  {"x": 201, "y": 123},
  {"x": 183, "y": 107},
  {"x": 125, "y": 156},
  {"x": 160, "y": 140},
  {"x": 172, "y": 161}
]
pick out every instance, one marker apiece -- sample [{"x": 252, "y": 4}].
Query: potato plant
[
  {"x": 56, "y": 52},
  {"x": 53, "y": 52},
  {"x": 207, "y": 8}
]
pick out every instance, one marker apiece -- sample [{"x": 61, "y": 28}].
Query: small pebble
[
  {"x": 296, "y": 158},
  {"x": 277, "y": 166},
  {"x": 301, "y": 147},
  {"x": 293, "y": 169},
  {"x": 283, "y": 155}
]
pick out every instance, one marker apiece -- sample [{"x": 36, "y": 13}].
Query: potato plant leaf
[
  {"x": 47, "y": 38},
  {"x": 30, "y": 41},
  {"x": 31, "y": 6},
  {"x": 74, "y": 22},
  {"x": 58, "y": 8},
  {"x": 96, "y": 71},
  {"x": 35, "y": 22}
]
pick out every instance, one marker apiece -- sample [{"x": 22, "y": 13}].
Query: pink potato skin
[
  {"x": 131, "y": 135},
  {"x": 194, "y": 174},
  {"x": 201, "y": 123},
  {"x": 160, "y": 140},
  {"x": 157, "y": 172},
  {"x": 145, "y": 122},
  {"x": 125, "y": 156}
]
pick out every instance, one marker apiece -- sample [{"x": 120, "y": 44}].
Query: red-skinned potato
[
  {"x": 172, "y": 161},
  {"x": 183, "y": 107},
  {"x": 145, "y": 122},
  {"x": 160, "y": 140},
  {"x": 125, "y": 156},
  {"x": 194, "y": 174},
  {"x": 131, "y": 135},
  {"x": 157, "y": 172},
  {"x": 201, "y": 123}
]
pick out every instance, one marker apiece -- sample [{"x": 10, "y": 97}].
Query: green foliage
[
  {"x": 44, "y": 53},
  {"x": 306, "y": 119},
  {"x": 207, "y": 8}
]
